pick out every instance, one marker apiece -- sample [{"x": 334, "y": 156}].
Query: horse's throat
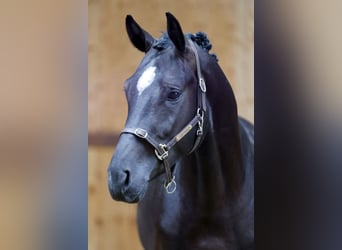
[
  {"x": 210, "y": 183},
  {"x": 218, "y": 173}
]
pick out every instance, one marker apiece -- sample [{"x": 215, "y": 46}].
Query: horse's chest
[
  {"x": 192, "y": 235},
  {"x": 178, "y": 224},
  {"x": 188, "y": 230}
]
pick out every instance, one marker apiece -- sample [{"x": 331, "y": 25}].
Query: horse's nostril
[{"x": 127, "y": 178}]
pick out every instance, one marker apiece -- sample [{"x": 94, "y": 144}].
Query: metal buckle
[
  {"x": 165, "y": 153},
  {"x": 199, "y": 130},
  {"x": 142, "y": 133},
  {"x": 202, "y": 85},
  {"x": 171, "y": 186},
  {"x": 200, "y": 114}
]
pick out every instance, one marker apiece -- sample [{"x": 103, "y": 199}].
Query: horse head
[{"x": 162, "y": 98}]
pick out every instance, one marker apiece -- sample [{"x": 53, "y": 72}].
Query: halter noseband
[{"x": 162, "y": 150}]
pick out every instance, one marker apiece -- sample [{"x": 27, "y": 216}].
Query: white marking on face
[{"x": 146, "y": 79}]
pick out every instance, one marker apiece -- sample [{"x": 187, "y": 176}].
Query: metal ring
[{"x": 171, "y": 186}]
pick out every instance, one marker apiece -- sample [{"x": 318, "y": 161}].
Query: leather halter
[{"x": 162, "y": 150}]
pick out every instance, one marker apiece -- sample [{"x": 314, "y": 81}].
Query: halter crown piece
[{"x": 162, "y": 150}]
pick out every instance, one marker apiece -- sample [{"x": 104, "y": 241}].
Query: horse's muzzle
[{"x": 120, "y": 188}]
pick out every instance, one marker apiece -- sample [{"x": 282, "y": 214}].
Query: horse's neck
[
  {"x": 213, "y": 173},
  {"x": 210, "y": 181},
  {"x": 219, "y": 168}
]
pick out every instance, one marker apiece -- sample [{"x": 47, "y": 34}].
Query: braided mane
[{"x": 202, "y": 40}]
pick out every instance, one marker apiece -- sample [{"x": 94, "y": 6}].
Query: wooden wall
[
  {"x": 112, "y": 59},
  {"x": 111, "y": 225}
]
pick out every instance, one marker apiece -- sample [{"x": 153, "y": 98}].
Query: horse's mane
[{"x": 200, "y": 38}]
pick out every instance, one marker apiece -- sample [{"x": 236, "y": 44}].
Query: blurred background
[
  {"x": 43, "y": 125},
  {"x": 45, "y": 87},
  {"x": 229, "y": 25}
]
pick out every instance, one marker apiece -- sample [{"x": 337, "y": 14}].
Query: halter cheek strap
[{"x": 162, "y": 150}]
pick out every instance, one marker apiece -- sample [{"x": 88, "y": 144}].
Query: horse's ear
[
  {"x": 175, "y": 32},
  {"x": 139, "y": 37}
]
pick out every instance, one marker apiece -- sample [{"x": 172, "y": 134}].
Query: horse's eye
[{"x": 174, "y": 95}]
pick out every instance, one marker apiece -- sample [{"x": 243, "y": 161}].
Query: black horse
[{"x": 184, "y": 155}]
